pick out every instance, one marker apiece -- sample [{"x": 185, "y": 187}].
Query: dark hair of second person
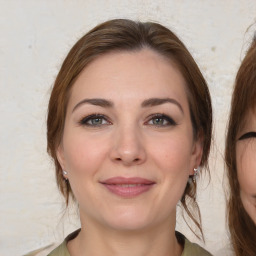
[{"x": 240, "y": 144}]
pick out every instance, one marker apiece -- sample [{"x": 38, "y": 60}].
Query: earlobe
[{"x": 197, "y": 153}]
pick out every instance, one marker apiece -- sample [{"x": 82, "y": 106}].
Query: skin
[
  {"x": 246, "y": 165},
  {"x": 129, "y": 141}
]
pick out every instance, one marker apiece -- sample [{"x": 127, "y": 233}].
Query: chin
[{"x": 129, "y": 220}]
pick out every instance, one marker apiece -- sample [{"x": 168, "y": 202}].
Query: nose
[{"x": 128, "y": 147}]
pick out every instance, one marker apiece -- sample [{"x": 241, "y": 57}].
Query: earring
[
  {"x": 64, "y": 173},
  {"x": 196, "y": 170}
]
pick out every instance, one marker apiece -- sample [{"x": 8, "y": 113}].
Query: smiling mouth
[{"x": 128, "y": 187}]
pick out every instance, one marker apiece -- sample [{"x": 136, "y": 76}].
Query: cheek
[
  {"x": 173, "y": 155},
  {"x": 246, "y": 168},
  {"x": 249, "y": 204},
  {"x": 173, "y": 160},
  {"x": 83, "y": 154}
]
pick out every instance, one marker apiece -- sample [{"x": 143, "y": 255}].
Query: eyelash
[
  {"x": 85, "y": 121},
  {"x": 248, "y": 135},
  {"x": 166, "y": 120},
  {"x": 169, "y": 121}
]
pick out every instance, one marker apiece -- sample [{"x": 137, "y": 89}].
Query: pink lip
[{"x": 128, "y": 187}]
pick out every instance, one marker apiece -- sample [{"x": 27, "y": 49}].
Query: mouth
[{"x": 128, "y": 187}]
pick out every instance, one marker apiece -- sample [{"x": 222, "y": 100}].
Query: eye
[
  {"x": 160, "y": 120},
  {"x": 94, "y": 120},
  {"x": 248, "y": 135}
]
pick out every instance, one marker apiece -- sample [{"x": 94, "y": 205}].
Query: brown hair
[
  {"x": 241, "y": 226},
  {"x": 127, "y": 35}
]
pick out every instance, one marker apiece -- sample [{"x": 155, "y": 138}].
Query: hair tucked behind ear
[{"x": 127, "y": 35}]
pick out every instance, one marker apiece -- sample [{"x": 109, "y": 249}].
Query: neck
[{"x": 159, "y": 240}]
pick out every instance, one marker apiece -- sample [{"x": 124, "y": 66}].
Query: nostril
[{"x": 119, "y": 159}]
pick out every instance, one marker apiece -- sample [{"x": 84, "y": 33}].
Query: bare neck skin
[{"x": 97, "y": 241}]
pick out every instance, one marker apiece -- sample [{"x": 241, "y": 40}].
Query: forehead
[{"x": 123, "y": 75}]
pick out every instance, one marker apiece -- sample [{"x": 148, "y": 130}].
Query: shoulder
[
  {"x": 191, "y": 249},
  {"x": 62, "y": 249}
]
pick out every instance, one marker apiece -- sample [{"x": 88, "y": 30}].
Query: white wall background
[{"x": 35, "y": 36}]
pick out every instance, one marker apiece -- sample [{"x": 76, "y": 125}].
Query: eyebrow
[
  {"x": 159, "y": 101},
  {"x": 146, "y": 103},
  {"x": 97, "y": 102}
]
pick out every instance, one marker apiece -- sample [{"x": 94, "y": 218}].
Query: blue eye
[
  {"x": 248, "y": 135},
  {"x": 94, "y": 120},
  {"x": 161, "y": 120}
]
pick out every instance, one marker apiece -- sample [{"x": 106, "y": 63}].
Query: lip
[{"x": 128, "y": 187}]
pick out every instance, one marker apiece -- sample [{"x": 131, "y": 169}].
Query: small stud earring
[
  {"x": 196, "y": 170},
  {"x": 64, "y": 173}
]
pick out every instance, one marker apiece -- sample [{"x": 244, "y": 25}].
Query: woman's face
[
  {"x": 128, "y": 142},
  {"x": 246, "y": 165}
]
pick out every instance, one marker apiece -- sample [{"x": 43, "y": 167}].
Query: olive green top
[{"x": 190, "y": 249}]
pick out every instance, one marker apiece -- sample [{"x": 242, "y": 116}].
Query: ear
[
  {"x": 196, "y": 154},
  {"x": 60, "y": 156}
]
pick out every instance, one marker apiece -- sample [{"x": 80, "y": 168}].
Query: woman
[
  {"x": 240, "y": 158},
  {"x": 129, "y": 123}
]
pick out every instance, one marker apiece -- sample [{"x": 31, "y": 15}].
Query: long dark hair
[{"x": 242, "y": 228}]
